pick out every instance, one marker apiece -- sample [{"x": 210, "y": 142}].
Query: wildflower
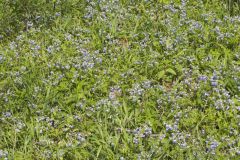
[
  {"x": 50, "y": 49},
  {"x": 29, "y": 24},
  {"x": 3, "y": 153},
  {"x": 202, "y": 78},
  {"x": 169, "y": 127},
  {"x": 7, "y": 114},
  {"x": 135, "y": 140},
  {"x": 80, "y": 137},
  {"x": 214, "y": 83},
  {"x": 148, "y": 131},
  {"x": 57, "y": 14},
  {"x": 121, "y": 158},
  {"x": 214, "y": 145}
]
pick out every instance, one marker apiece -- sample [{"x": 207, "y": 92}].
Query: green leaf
[
  {"x": 170, "y": 70},
  {"x": 3, "y": 84},
  {"x": 161, "y": 74},
  {"x": 99, "y": 150}
]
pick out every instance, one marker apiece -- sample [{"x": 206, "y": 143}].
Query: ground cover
[{"x": 120, "y": 80}]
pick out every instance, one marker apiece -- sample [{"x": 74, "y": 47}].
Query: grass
[
  {"x": 233, "y": 5},
  {"x": 120, "y": 80}
]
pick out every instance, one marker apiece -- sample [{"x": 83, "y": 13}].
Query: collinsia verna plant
[{"x": 117, "y": 79}]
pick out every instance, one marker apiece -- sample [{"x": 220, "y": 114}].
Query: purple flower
[
  {"x": 202, "y": 78},
  {"x": 135, "y": 140},
  {"x": 169, "y": 127},
  {"x": 214, "y": 83},
  {"x": 214, "y": 145}
]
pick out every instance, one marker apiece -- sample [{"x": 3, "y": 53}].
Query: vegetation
[{"x": 119, "y": 79}]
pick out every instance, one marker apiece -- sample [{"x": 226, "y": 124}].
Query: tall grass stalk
[{"x": 233, "y": 6}]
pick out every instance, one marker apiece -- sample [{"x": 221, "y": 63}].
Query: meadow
[{"x": 119, "y": 79}]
